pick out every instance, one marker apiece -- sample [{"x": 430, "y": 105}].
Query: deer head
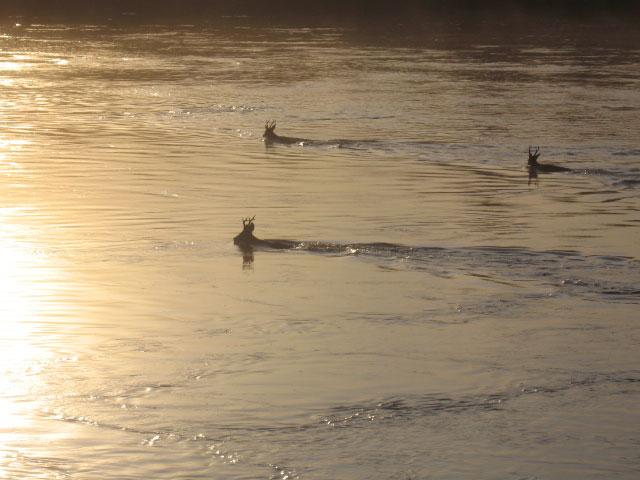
[
  {"x": 269, "y": 129},
  {"x": 248, "y": 225},
  {"x": 245, "y": 237},
  {"x": 533, "y": 157}
]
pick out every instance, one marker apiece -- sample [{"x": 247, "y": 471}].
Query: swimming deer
[
  {"x": 535, "y": 167},
  {"x": 532, "y": 163},
  {"x": 270, "y": 136},
  {"x": 245, "y": 238},
  {"x": 247, "y": 241},
  {"x": 533, "y": 157}
]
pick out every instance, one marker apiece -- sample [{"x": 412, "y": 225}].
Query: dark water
[{"x": 439, "y": 316}]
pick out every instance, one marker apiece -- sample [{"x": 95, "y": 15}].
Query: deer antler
[
  {"x": 246, "y": 221},
  {"x": 535, "y": 154}
]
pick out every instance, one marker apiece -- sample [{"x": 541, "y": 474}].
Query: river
[{"x": 443, "y": 317}]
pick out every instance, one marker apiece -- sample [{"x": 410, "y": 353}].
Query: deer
[
  {"x": 270, "y": 136},
  {"x": 245, "y": 238},
  {"x": 532, "y": 163},
  {"x": 535, "y": 167},
  {"x": 247, "y": 241}
]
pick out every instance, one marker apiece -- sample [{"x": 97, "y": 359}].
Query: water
[{"x": 442, "y": 317}]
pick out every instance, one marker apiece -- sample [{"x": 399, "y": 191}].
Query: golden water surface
[{"x": 494, "y": 335}]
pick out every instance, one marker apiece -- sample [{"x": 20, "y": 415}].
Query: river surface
[{"x": 442, "y": 317}]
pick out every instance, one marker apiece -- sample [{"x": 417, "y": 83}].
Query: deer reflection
[
  {"x": 247, "y": 258},
  {"x": 535, "y": 167}
]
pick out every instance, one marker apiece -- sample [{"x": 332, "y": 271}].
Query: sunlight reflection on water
[{"x": 27, "y": 289}]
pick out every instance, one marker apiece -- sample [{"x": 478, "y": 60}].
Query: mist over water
[{"x": 439, "y": 316}]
